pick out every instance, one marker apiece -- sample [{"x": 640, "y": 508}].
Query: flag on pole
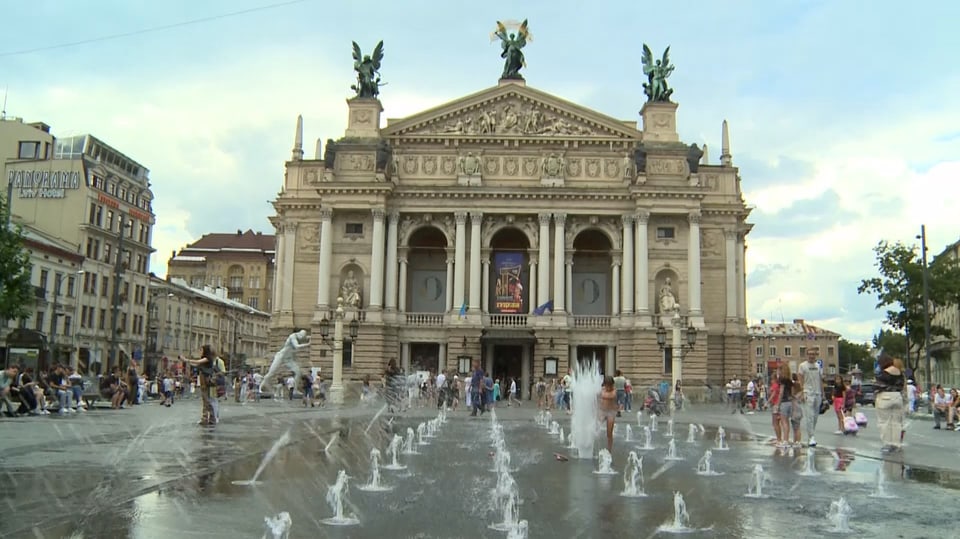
[
  {"x": 548, "y": 306},
  {"x": 463, "y": 310}
]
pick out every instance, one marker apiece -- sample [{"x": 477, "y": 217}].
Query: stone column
[
  {"x": 376, "y": 261},
  {"x": 568, "y": 281},
  {"x": 488, "y": 361},
  {"x": 559, "y": 244},
  {"x": 628, "y": 258},
  {"x": 693, "y": 264},
  {"x": 390, "y": 303},
  {"x": 615, "y": 297},
  {"x": 524, "y": 384},
  {"x": 402, "y": 300},
  {"x": 610, "y": 361},
  {"x": 442, "y": 358},
  {"x": 326, "y": 258},
  {"x": 543, "y": 277},
  {"x": 641, "y": 266},
  {"x": 532, "y": 292},
  {"x": 733, "y": 283},
  {"x": 476, "y": 218},
  {"x": 405, "y": 356},
  {"x": 449, "y": 291},
  {"x": 460, "y": 260},
  {"x": 289, "y": 251},
  {"x": 485, "y": 282},
  {"x": 278, "y": 281},
  {"x": 741, "y": 276}
]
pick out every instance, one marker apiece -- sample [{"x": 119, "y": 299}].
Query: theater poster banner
[{"x": 509, "y": 297}]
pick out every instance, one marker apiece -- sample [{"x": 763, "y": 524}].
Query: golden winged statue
[{"x": 512, "y": 45}]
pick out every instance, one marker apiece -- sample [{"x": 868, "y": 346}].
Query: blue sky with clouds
[{"x": 844, "y": 115}]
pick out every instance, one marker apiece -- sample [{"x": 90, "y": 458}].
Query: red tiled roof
[{"x": 238, "y": 240}]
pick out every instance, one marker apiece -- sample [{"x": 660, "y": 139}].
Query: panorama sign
[{"x": 43, "y": 183}]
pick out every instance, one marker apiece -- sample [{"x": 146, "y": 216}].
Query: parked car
[{"x": 867, "y": 395}]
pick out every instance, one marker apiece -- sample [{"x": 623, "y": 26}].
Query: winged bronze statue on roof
[
  {"x": 512, "y": 45},
  {"x": 368, "y": 71},
  {"x": 657, "y": 72}
]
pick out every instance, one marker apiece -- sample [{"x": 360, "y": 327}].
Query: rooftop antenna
[
  {"x": 3, "y": 111},
  {"x": 780, "y": 303}
]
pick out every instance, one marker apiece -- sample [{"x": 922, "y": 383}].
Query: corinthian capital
[
  {"x": 643, "y": 217},
  {"x": 560, "y": 218},
  {"x": 476, "y": 217},
  {"x": 326, "y": 214},
  {"x": 544, "y": 219},
  {"x": 627, "y": 220},
  {"x": 694, "y": 217},
  {"x": 378, "y": 214},
  {"x": 461, "y": 217}
]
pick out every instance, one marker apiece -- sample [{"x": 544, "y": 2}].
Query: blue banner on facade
[{"x": 509, "y": 296}]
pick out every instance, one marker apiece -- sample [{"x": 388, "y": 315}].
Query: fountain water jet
[
  {"x": 394, "y": 450},
  {"x": 605, "y": 464},
  {"x": 681, "y": 519},
  {"x": 561, "y": 435},
  {"x": 506, "y": 498},
  {"x": 839, "y": 516},
  {"x": 421, "y": 434},
  {"x": 647, "y": 438},
  {"x": 628, "y": 437},
  {"x": 722, "y": 440},
  {"x": 669, "y": 433},
  {"x": 810, "y": 467},
  {"x": 705, "y": 466},
  {"x": 633, "y": 477},
  {"x": 654, "y": 421},
  {"x": 757, "y": 478},
  {"x": 278, "y": 527},
  {"x": 501, "y": 461},
  {"x": 374, "y": 485},
  {"x": 336, "y": 495},
  {"x": 879, "y": 488},
  {"x": 281, "y": 441},
  {"x": 519, "y": 531},
  {"x": 672, "y": 451},
  {"x": 408, "y": 444},
  {"x": 554, "y": 428},
  {"x": 585, "y": 390},
  {"x": 692, "y": 434},
  {"x": 375, "y": 416},
  {"x": 639, "y": 419}
]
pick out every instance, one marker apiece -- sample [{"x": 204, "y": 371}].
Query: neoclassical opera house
[{"x": 518, "y": 228}]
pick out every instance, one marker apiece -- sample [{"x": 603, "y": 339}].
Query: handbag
[{"x": 824, "y": 406}]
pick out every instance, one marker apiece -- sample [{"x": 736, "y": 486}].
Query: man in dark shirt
[
  {"x": 477, "y": 389},
  {"x": 58, "y": 381}
]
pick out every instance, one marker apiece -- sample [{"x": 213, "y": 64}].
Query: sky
[{"x": 844, "y": 115}]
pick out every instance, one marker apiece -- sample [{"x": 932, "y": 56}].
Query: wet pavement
[{"x": 152, "y": 472}]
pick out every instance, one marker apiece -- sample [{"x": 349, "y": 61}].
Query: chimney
[
  {"x": 762, "y": 321},
  {"x": 798, "y": 321},
  {"x": 239, "y": 232}
]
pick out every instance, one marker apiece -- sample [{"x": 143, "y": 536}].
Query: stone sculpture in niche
[
  {"x": 350, "y": 290},
  {"x": 668, "y": 300}
]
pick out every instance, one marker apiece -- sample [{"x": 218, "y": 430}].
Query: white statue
[
  {"x": 668, "y": 301},
  {"x": 287, "y": 357},
  {"x": 350, "y": 290}
]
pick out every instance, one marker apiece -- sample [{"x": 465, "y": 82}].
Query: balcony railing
[
  {"x": 507, "y": 320},
  {"x": 591, "y": 321},
  {"x": 424, "y": 319}
]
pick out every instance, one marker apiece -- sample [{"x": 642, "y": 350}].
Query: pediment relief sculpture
[{"x": 510, "y": 117}]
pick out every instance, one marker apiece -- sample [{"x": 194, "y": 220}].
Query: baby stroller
[{"x": 654, "y": 402}]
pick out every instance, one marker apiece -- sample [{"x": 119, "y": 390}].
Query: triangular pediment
[{"x": 511, "y": 110}]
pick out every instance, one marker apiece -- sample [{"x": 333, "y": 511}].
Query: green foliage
[
  {"x": 895, "y": 343},
  {"x": 855, "y": 355},
  {"x": 899, "y": 289},
  {"x": 16, "y": 293}
]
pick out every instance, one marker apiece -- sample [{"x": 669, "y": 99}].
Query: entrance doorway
[
  {"x": 597, "y": 354},
  {"x": 424, "y": 356},
  {"x": 507, "y": 364}
]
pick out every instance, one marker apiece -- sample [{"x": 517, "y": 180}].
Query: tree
[
  {"x": 899, "y": 289},
  {"x": 854, "y": 355},
  {"x": 895, "y": 343},
  {"x": 16, "y": 293}
]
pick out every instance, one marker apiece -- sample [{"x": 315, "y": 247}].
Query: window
[
  {"x": 98, "y": 182},
  {"x": 252, "y": 302},
  {"x": 787, "y": 351},
  {"x": 105, "y": 287},
  {"x": 668, "y": 360},
  {"x": 107, "y": 248},
  {"x": 773, "y": 351},
  {"x": 354, "y": 229},
  {"x": 759, "y": 351},
  {"x": 102, "y": 324},
  {"x": 38, "y": 322},
  {"x": 29, "y": 149},
  {"x": 255, "y": 282},
  {"x": 93, "y": 283},
  {"x": 57, "y": 280},
  {"x": 109, "y": 220},
  {"x": 832, "y": 370},
  {"x": 71, "y": 285},
  {"x": 829, "y": 351},
  {"x": 347, "y": 354},
  {"x": 803, "y": 351},
  {"x": 44, "y": 275},
  {"x": 236, "y": 282},
  {"x": 122, "y": 326},
  {"x": 94, "y": 214},
  {"x": 169, "y": 314},
  {"x": 67, "y": 322},
  {"x": 665, "y": 233}
]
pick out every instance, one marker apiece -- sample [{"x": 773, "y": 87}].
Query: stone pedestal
[
  {"x": 660, "y": 122},
  {"x": 364, "y": 117}
]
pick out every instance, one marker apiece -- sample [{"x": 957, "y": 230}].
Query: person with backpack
[{"x": 205, "y": 364}]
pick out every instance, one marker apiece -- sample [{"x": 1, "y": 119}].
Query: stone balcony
[
  {"x": 591, "y": 322},
  {"x": 505, "y": 320}
]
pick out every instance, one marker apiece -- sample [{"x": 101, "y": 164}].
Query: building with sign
[
  {"x": 96, "y": 202},
  {"x": 182, "y": 319},
  {"x": 242, "y": 263},
  {"x": 945, "y": 351},
  {"x": 520, "y": 229},
  {"x": 774, "y": 342}
]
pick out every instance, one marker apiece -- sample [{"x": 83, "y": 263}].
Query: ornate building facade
[{"x": 518, "y": 228}]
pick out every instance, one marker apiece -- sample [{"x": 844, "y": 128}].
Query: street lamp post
[
  {"x": 336, "y": 387},
  {"x": 926, "y": 306},
  {"x": 117, "y": 277},
  {"x": 53, "y": 314},
  {"x": 677, "y": 349}
]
